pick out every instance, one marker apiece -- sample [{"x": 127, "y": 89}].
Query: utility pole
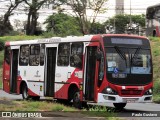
[{"x": 130, "y": 23}]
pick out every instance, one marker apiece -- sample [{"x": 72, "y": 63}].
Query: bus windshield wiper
[
  {"x": 121, "y": 54},
  {"x": 135, "y": 54}
]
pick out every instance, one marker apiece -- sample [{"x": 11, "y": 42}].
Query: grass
[
  {"x": 155, "y": 44},
  {"x": 34, "y": 106},
  {"x": 20, "y": 106},
  {"x": 18, "y": 37},
  {"x": 0, "y": 77}
]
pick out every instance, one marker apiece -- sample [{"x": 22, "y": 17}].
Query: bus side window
[
  {"x": 34, "y": 55},
  {"x": 42, "y": 54},
  {"x": 7, "y": 55},
  {"x": 24, "y": 55},
  {"x": 63, "y": 54},
  {"x": 76, "y": 55}
]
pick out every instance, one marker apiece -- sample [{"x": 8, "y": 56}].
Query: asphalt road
[{"x": 130, "y": 109}]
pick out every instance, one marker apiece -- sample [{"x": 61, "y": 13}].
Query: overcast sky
[{"x": 137, "y": 7}]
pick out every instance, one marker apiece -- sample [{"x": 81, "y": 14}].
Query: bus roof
[
  {"x": 153, "y": 6},
  {"x": 51, "y": 40},
  {"x": 85, "y": 38},
  {"x": 126, "y": 35}
]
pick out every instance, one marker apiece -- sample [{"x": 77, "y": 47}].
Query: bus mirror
[{"x": 99, "y": 55}]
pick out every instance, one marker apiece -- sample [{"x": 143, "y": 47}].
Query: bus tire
[
  {"x": 154, "y": 33},
  {"x": 25, "y": 95},
  {"x": 36, "y": 98},
  {"x": 119, "y": 105},
  {"x": 76, "y": 100}
]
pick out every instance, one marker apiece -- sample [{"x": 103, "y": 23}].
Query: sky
[{"x": 137, "y": 7}]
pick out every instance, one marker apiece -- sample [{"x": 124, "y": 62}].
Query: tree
[
  {"x": 120, "y": 22},
  {"x": 5, "y": 25},
  {"x": 13, "y": 5},
  {"x": 1, "y": 45},
  {"x": 97, "y": 28},
  {"x": 62, "y": 25},
  {"x": 34, "y": 6},
  {"x": 80, "y": 7}
]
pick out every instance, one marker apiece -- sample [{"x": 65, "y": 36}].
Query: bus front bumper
[{"x": 118, "y": 99}]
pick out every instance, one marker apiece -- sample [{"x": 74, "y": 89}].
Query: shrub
[{"x": 1, "y": 45}]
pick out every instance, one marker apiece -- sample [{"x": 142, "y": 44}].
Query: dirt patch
[{"x": 5, "y": 101}]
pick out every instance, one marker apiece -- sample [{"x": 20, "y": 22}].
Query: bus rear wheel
[
  {"x": 76, "y": 100},
  {"x": 119, "y": 105},
  {"x": 25, "y": 95},
  {"x": 36, "y": 98}
]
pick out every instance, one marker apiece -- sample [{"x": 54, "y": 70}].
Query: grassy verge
[
  {"x": 155, "y": 44},
  {"x": 18, "y": 37},
  {"x": 0, "y": 77},
  {"x": 66, "y": 111},
  {"x": 34, "y": 106}
]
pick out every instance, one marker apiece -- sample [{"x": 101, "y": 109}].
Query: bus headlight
[
  {"x": 148, "y": 92},
  {"x": 109, "y": 90}
]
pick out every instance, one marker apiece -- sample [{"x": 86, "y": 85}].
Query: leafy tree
[
  {"x": 62, "y": 24},
  {"x": 5, "y": 25},
  {"x": 1, "y": 45},
  {"x": 34, "y": 6},
  {"x": 5, "y": 29},
  {"x": 13, "y": 5},
  {"x": 97, "y": 28},
  {"x": 121, "y": 21},
  {"x": 80, "y": 7}
]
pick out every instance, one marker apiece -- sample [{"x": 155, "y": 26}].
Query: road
[{"x": 130, "y": 109}]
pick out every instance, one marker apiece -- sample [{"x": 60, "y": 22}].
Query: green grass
[
  {"x": 18, "y": 37},
  {"x": 155, "y": 44},
  {"x": 33, "y": 106},
  {"x": 1, "y": 58}
]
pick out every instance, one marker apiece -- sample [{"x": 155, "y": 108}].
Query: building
[{"x": 119, "y": 7}]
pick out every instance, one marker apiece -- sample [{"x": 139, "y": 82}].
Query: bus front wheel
[
  {"x": 119, "y": 105},
  {"x": 76, "y": 100},
  {"x": 25, "y": 95}
]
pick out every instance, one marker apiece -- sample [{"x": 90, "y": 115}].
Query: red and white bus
[
  {"x": 153, "y": 20},
  {"x": 105, "y": 68}
]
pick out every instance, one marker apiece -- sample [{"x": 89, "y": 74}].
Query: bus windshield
[
  {"x": 134, "y": 61},
  {"x": 128, "y": 60}
]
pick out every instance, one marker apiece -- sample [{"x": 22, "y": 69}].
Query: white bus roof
[{"x": 52, "y": 40}]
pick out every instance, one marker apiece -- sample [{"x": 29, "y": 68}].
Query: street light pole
[{"x": 130, "y": 17}]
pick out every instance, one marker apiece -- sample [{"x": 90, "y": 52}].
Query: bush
[
  {"x": 48, "y": 34},
  {"x": 1, "y": 45},
  {"x": 13, "y": 33}
]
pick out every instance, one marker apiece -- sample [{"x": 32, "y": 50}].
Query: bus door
[
  {"x": 6, "y": 69},
  {"x": 50, "y": 67},
  {"x": 14, "y": 70},
  {"x": 90, "y": 70}
]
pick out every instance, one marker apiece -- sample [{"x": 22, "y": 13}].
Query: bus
[
  {"x": 114, "y": 68},
  {"x": 153, "y": 21}
]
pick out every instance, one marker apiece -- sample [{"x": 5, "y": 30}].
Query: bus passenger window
[
  {"x": 24, "y": 55},
  {"x": 63, "y": 54},
  {"x": 42, "y": 54},
  {"x": 7, "y": 55},
  {"x": 34, "y": 55},
  {"x": 76, "y": 55}
]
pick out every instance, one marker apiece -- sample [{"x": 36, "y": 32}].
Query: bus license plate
[{"x": 129, "y": 100}]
